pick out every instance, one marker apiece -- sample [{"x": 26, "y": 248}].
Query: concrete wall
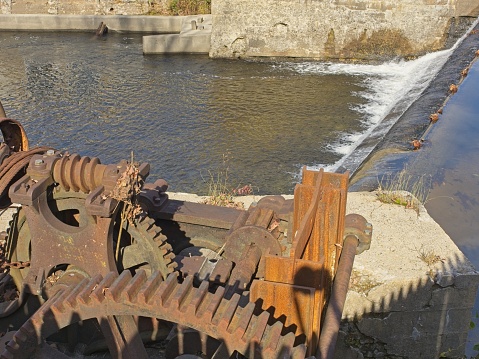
[
  {"x": 347, "y": 29},
  {"x": 412, "y": 293},
  {"x": 82, "y": 7}
]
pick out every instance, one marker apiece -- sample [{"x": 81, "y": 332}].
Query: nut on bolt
[
  {"x": 356, "y": 225},
  {"x": 38, "y": 162}
]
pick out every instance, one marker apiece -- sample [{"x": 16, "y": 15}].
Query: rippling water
[
  {"x": 183, "y": 114},
  {"x": 186, "y": 114}
]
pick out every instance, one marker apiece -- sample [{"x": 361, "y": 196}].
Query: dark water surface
[
  {"x": 451, "y": 157},
  {"x": 182, "y": 114}
]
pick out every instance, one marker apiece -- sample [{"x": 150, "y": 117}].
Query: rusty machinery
[{"x": 98, "y": 255}]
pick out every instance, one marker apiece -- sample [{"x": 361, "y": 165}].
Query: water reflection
[
  {"x": 101, "y": 97},
  {"x": 451, "y": 155}
]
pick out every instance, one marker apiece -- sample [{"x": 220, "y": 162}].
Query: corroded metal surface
[
  {"x": 227, "y": 281},
  {"x": 232, "y": 320}
]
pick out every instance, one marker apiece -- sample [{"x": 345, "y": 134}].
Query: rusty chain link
[{"x": 16, "y": 265}]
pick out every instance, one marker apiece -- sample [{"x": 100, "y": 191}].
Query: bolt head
[
  {"x": 50, "y": 152},
  {"x": 38, "y": 162}
]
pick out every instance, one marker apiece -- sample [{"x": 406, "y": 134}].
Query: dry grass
[
  {"x": 404, "y": 189},
  {"x": 190, "y": 7},
  {"x": 429, "y": 257},
  {"x": 219, "y": 191},
  {"x": 180, "y": 7}
]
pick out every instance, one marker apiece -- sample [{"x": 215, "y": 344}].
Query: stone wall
[
  {"x": 82, "y": 7},
  {"x": 345, "y": 29}
]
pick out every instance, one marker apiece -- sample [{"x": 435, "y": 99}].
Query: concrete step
[{"x": 194, "y": 38}]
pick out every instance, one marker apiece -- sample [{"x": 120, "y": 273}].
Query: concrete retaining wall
[
  {"x": 151, "y": 24},
  {"x": 82, "y": 7},
  {"x": 411, "y": 295},
  {"x": 349, "y": 29}
]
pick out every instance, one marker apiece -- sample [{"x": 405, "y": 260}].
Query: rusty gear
[{"x": 235, "y": 323}]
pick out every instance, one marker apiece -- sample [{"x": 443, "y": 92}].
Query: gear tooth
[
  {"x": 214, "y": 304},
  {"x": 286, "y": 345},
  {"x": 84, "y": 295},
  {"x": 159, "y": 236},
  {"x": 98, "y": 294},
  {"x": 270, "y": 342},
  {"x": 182, "y": 293},
  {"x": 225, "y": 317},
  {"x": 167, "y": 288},
  {"x": 71, "y": 299},
  {"x": 147, "y": 222},
  {"x": 198, "y": 298},
  {"x": 13, "y": 345},
  {"x": 118, "y": 285},
  {"x": 299, "y": 352},
  {"x": 150, "y": 287},
  {"x": 21, "y": 335},
  {"x": 244, "y": 321},
  {"x": 131, "y": 290},
  {"x": 169, "y": 256},
  {"x": 58, "y": 301},
  {"x": 258, "y": 327}
]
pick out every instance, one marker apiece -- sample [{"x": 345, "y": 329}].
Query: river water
[{"x": 191, "y": 117}]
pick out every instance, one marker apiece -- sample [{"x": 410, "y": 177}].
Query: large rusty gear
[
  {"x": 144, "y": 236},
  {"x": 239, "y": 325},
  {"x": 143, "y": 244},
  {"x": 152, "y": 247}
]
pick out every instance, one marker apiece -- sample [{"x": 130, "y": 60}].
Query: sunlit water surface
[{"x": 191, "y": 117}]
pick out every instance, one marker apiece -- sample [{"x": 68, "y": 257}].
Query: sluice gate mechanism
[{"x": 97, "y": 258}]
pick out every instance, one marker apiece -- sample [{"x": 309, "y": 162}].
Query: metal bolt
[
  {"x": 367, "y": 232},
  {"x": 38, "y": 162},
  {"x": 368, "y": 225},
  {"x": 50, "y": 152}
]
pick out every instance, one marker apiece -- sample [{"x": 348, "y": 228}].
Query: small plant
[
  {"x": 404, "y": 189},
  {"x": 189, "y": 7},
  {"x": 219, "y": 191},
  {"x": 429, "y": 257},
  {"x": 362, "y": 283}
]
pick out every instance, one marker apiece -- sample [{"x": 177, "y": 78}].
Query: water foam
[{"x": 391, "y": 88}]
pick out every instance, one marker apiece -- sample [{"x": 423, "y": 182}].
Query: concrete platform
[
  {"x": 411, "y": 294},
  {"x": 194, "y": 38},
  {"x": 138, "y": 23}
]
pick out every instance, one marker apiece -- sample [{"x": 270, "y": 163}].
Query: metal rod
[{"x": 332, "y": 319}]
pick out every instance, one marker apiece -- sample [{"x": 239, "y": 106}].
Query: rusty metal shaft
[
  {"x": 78, "y": 173},
  {"x": 329, "y": 333}
]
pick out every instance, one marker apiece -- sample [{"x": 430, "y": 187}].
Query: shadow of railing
[{"x": 424, "y": 318}]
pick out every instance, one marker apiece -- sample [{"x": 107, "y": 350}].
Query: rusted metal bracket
[{"x": 357, "y": 226}]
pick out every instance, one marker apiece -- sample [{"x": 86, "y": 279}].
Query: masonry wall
[
  {"x": 349, "y": 29},
  {"x": 82, "y": 7}
]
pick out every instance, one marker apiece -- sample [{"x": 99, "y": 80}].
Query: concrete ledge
[
  {"x": 411, "y": 295},
  {"x": 145, "y": 24},
  {"x": 194, "y": 38},
  {"x": 170, "y": 44}
]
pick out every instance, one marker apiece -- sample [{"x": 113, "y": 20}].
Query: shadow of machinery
[{"x": 424, "y": 318}]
